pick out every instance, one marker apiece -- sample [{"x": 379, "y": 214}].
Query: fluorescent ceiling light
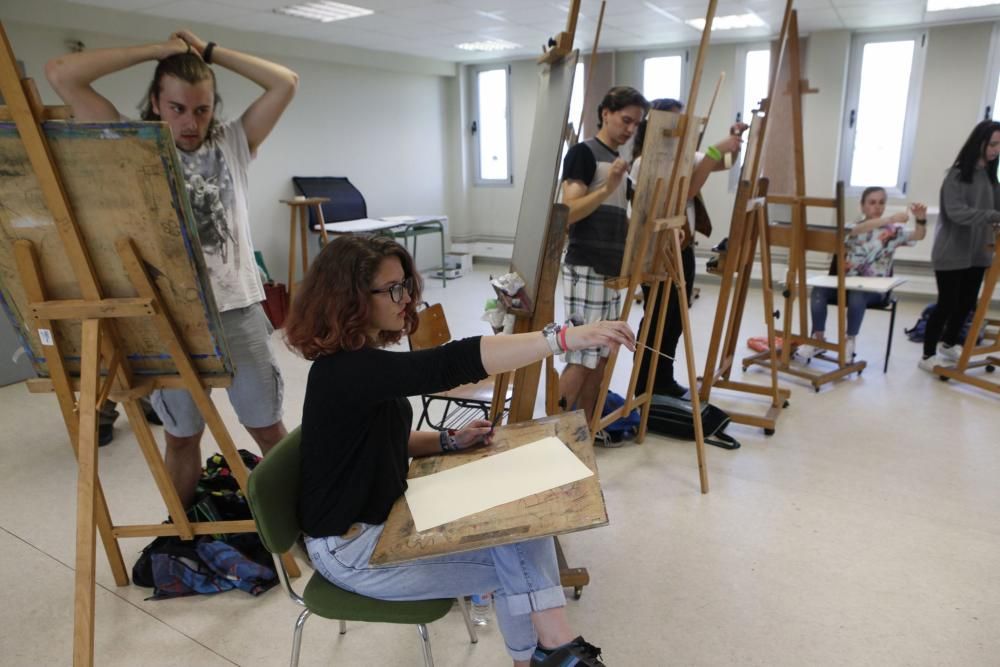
[
  {"x": 943, "y": 5},
  {"x": 731, "y": 22},
  {"x": 324, "y": 11},
  {"x": 488, "y": 45}
]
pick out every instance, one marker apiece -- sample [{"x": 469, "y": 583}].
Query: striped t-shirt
[{"x": 597, "y": 241}]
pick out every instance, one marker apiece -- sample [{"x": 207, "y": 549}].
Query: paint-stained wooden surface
[
  {"x": 565, "y": 509},
  {"x": 782, "y": 161},
  {"x": 122, "y": 179},
  {"x": 662, "y": 154}
]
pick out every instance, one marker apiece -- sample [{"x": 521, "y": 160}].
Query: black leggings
[
  {"x": 957, "y": 294},
  {"x": 671, "y": 331}
]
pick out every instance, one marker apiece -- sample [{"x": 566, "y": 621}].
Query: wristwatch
[{"x": 551, "y": 333}]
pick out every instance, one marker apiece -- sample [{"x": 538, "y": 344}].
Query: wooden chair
[
  {"x": 274, "y": 497},
  {"x": 461, "y": 404}
]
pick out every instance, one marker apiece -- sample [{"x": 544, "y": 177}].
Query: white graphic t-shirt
[{"x": 216, "y": 179}]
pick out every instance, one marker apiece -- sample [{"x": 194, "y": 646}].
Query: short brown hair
[
  {"x": 331, "y": 308},
  {"x": 618, "y": 98}
]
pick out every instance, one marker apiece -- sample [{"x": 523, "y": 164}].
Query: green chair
[{"x": 273, "y": 496}]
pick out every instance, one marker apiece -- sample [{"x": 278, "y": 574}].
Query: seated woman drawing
[
  {"x": 869, "y": 250},
  {"x": 357, "y": 298}
]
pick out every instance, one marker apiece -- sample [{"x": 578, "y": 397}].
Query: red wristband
[{"x": 562, "y": 340}]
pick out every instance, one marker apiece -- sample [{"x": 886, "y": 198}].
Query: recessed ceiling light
[
  {"x": 730, "y": 22},
  {"x": 323, "y": 11},
  {"x": 488, "y": 45},
  {"x": 943, "y": 5}
]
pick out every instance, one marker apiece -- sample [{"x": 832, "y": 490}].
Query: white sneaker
[
  {"x": 929, "y": 363},
  {"x": 849, "y": 349},
  {"x": 950, "y": 352},
  {"x": 806, "y": 352}
]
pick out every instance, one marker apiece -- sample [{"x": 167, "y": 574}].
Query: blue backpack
[{"x": 624, "y": 428}]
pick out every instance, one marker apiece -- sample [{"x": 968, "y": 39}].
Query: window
[
  {"x": 754, "y": 64},
  {"x": 663, "y": 76},
  {"x": 491, "y": 127},
  {"x": 991, "y": 96},
  {"x": 880, "y": 123}
]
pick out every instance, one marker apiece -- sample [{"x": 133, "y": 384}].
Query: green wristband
[{"x": 713, "y": 153}]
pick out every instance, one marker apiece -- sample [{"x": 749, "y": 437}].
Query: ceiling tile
[{"x": 206, "y": 12}]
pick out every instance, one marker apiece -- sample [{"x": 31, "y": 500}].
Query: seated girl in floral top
[{"x": 869, "y": 249}]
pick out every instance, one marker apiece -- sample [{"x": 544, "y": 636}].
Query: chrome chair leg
[
  {"x": 425, "y": 641},
  {"x": 297, "y": 636},
  {"x": 343, "y": 627},
  {"x": 464, "y": 606}
]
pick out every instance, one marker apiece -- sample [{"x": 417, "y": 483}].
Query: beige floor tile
[{"x": 863, "y": 532}]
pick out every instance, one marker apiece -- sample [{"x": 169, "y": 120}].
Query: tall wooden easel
[
  {"x": 538, "y": 248},
  {"x": 653, "y": 252},
  {"x": 784, "y": 167},
  {"x": 84, "y": 342},
  {"x": 981, "y": 321},
  {"x": 748, "y": 228}
]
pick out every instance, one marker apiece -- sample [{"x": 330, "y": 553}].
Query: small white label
[{"x": 46, "y": 336}]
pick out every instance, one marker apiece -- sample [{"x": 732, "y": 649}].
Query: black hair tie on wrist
[{"x": 206, "y": 55}]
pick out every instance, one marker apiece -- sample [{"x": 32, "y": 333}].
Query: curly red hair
[{"x": 331, "y": 308}]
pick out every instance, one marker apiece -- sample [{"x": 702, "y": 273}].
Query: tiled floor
[{"x": 864, "y": 532}]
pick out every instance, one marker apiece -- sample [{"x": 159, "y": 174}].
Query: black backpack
[{"x": 674, "y": 418}]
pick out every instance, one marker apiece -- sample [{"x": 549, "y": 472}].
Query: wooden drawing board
[
  {"x": 555, "y": 85},
  {"x": 782, "y": 158},
  {"x": 122, "y": 179},
  {"x": 566, "y": 509},
  {"x": 662, "y": 153}
]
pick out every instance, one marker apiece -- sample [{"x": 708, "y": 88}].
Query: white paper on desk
[
  {"x": 452, "y": 494},
  {"x": 863, "y": 283}
]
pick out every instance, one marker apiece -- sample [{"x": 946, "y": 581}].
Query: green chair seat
[
  {"x": 329, "y": 601},
  {"x": 273, "y": 494}
]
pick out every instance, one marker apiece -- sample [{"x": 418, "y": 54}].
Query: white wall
[
  {"x": 950, "y": 103},
  {"x": 386, "y": 130}
]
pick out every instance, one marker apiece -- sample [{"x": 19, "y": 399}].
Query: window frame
[
  {"x": 739, "y": 86},
  {"x": 849, "y": 121},
  {"x": 992, "y": 78},
  {"x": 685, "y": 55},
  {"x": 477, "y": 176}
]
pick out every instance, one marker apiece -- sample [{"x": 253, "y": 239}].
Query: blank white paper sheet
[{"x": 452, "y": 494}]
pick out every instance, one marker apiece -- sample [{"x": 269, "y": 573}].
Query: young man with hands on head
[{"x": 215, "y": 156}]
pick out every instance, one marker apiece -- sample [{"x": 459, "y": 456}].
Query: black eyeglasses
[{"x": 395, "y": 290}]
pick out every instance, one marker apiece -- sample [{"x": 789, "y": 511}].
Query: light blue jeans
[
  {"x": 857, "y": 303},
  {"x": 523, "y": 576}
]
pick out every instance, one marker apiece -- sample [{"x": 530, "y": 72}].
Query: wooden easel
[
  {"x": 784, "y": 167},
  {"x": 99, "y": 358},
  {"x": 653, "y": 252},
  {"x": 561, "y": 45},
  {"x": 748, "y": 228},
  {"x": 991, "y": 346}
]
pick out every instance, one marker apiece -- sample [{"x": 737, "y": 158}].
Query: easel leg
[
  {"x": 699, "y": 434},
  {"x": 83, "y": 605},
  {"x": 291, "y": 254},
  {"x": 144, "y": 436}
]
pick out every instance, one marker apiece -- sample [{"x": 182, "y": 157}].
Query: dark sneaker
[
  {"x": 576, "y": 653},
  {"x": 105, "y": 434},
  {"x": 152, "y": 417},
  {"x": 603, "y": 439},
  {"x": 673, "y": 390}
]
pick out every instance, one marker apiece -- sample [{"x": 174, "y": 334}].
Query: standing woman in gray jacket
[{"x": 963, "y": 241}]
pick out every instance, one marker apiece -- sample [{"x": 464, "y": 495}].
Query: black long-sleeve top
[{"x": 356, "y": 425}]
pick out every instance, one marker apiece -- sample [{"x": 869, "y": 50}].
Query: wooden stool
[{"x": 300, "y": 206}]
